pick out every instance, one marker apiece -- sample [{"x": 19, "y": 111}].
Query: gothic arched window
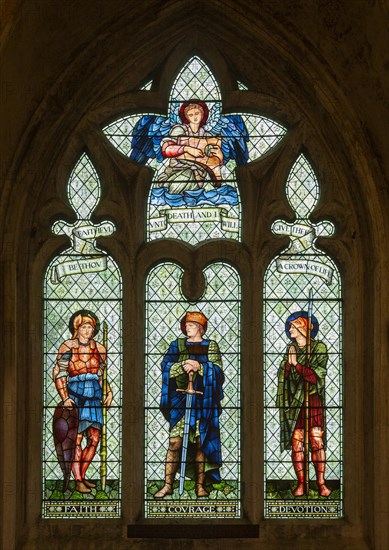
[
  {"x": 305, "y": 86},
  {"x": 193, "y": 331},
  {"x": 303, "y": 365},
  {"x": 82, "y": 365}
]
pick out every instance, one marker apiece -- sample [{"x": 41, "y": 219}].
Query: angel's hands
[
  {"x": 193, "y": 151},
  {"x": 215, "y": 151}
]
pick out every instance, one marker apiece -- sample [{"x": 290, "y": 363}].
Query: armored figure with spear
[
  {"x": 80, "y": 379},
  {"x": 301, "y": 399},
  {"x": 192, "y": 380}
]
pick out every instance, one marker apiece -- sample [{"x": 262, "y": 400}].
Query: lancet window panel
[
  {"x": 176, "y": 480},
  {"x": 303, "y": 384},
  {"x": 82, "y": 381}
]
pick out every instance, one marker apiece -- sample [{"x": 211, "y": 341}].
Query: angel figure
[{"x": 196, "y": 142}]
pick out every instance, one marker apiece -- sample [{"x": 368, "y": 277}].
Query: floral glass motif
[
  {"x": 167, "y": 311},
  {"x": 82, "y": 365},
  {"x": 303, "y": 365},
  {"x": 194, "y": 151}
]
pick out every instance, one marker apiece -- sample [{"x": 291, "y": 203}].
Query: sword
[{"x": 188, "y": 407}]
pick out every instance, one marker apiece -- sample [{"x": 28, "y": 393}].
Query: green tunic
[
  {"x": 290, "y": 394},
  {"x": 182, "y": 381}
]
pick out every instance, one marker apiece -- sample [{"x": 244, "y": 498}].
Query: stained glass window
[
  {"x": 82, "y": 365},
  {"x": 303, "y": 365},
  {"x": 194, "y": 151},
  {"x": 192, "y": 395}
]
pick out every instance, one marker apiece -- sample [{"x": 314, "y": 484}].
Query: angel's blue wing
[
  {"x": 174, "y": 113},
  {"x": 147, "y": 136},
  {"x": 234, "y": 134}
]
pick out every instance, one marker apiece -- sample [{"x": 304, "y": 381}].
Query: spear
[
  {"x": 306, "y": 397},
  {"x": 103, "y": 445}
]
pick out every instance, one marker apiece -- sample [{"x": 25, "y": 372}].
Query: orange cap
[{"x": 194, "y": 317}]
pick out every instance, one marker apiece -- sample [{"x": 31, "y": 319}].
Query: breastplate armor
[{"x": 85, "y": 359}]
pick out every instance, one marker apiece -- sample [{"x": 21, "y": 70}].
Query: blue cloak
[{"x": 205, "y": 408}]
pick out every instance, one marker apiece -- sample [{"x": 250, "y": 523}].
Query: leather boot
[
  {"x": 200, "y": 474},
  {"x": 171, "y": 465},
  {"x": 89, "y": 483},
  {"x": 81, "y": 487}
]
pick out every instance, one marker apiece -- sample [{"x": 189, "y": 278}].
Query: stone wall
[{"x": 318, "y": 68}]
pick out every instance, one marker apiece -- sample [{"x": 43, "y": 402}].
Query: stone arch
[{"x": 70, "y": 88}]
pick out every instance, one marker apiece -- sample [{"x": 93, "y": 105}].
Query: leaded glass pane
[
  {"x": 147, "y": 87},
  {"x": 242, "y": 86},
  {"x": 303, "y": 366},
  {"x": 82, "y": 366},
  {"x": 175, "y": 487},
  {"x": 195, "y": 80},
  {"x": 194, "y": 152}
]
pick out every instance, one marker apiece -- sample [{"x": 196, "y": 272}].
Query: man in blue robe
[{"x": 201, "y": 358}]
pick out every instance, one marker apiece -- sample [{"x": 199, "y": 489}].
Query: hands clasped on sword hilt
[{"x": 189, "y": 389}]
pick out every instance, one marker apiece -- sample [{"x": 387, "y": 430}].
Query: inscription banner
[
  {"x": 194, "y": 215},
  {"x": 302, "y": 235},
  {"x": 83, "y": 237},
  {"x": 223, "y": 508},
  {"x": 288, "y": 265},
  {"x": 71, "y": 508},
  {"x": 77, "y": 266},
  {"x": 314, "y": 509}
]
